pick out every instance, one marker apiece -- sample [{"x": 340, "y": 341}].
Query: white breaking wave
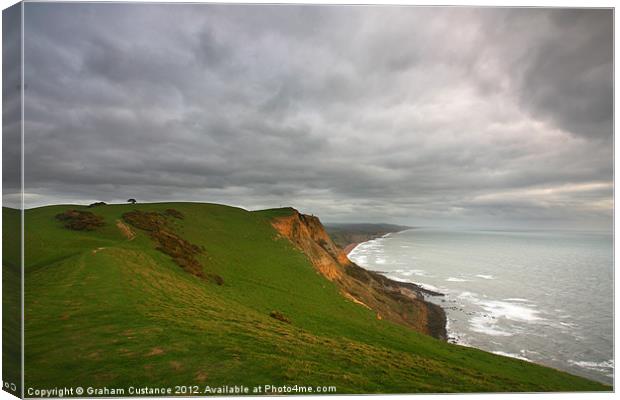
[
  {"x": 495, "y": 311},
  {"x": 593, "y": 364},
  {"x": 520, "y": 357},
  {"x": 511, "y": 311},
  {"x": 455, "y": 337},
  {"x": 359, "y": 259},
  {"x": 397, "y": 279},
  {"x": 409, "y": 272},
  {"x": 485, "y": 276},
  {"x": 468, "y": 295},
  {"x": 429, "y": 287},
  {"x": 452, "y": 279},
  {"x": 484, "y": 325},
  {"x": 423, "y": 285},
  {"x": 600, "y": 366}
]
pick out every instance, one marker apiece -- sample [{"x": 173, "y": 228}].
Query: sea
[{"x": 541, "y": 296}]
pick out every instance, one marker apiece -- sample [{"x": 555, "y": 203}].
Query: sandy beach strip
[{"x": 349, "y": 248}]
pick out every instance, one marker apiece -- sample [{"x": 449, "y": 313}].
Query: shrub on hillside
[
  {"x": 80, "y": 220},
  {"x": 174, "y": 213},
  {"x": 182, "y": 252},
  {"x": 147, "y": 221},
  {"x": 279, "y": 316},
  {"x": 218, "y": 280}
]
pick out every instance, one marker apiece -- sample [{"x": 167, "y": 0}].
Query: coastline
[
  {"x": 400, "y": 283},
  {"x": 456, "y": 337},
  {"x": 351, "y": 246},
  {"x": 436, "y": 314},
  {"x": 452, "y": 336}
]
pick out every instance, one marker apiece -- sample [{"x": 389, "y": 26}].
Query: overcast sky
[{"x": 423, "y": 116}]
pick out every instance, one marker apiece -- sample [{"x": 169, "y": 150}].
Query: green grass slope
[
  {"x": 102, "y": 310},
  {"x": 11, "y": 300}
]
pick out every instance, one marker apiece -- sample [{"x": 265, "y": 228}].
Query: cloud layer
[{"x": 427, "y": 116}]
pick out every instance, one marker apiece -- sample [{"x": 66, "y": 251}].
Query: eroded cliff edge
[{"x": 399, "y": 302}]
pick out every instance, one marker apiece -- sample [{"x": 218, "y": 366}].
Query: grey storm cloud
[{"x": 463, "y": 116}]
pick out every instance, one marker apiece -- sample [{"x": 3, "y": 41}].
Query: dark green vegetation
[
  {"x": 107, "y": 308},
  {"x": 11, "y": 300},
  {"x": 347, "y": 234},
  {"x": 80, "y": 220},
  {"x": 162, "y": 231}
]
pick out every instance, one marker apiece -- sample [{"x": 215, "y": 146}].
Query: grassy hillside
[
  {"x": 11, "y": 300},
  {"x": 106, "y": 310}
]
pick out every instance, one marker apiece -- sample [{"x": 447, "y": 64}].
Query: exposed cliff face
[
  {"x": 399, "y": 302},
  {"x": 308, "y": 235}
]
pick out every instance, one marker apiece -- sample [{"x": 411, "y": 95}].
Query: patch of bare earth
[
  {"x": 80, "y": 220},
  {"x": 125, "y": 230},
  {"x": 156, "y": 351},
  {"x": 353, "y": 299},
  {"x": 177, "y": 366},
  {"x": 201, "y": 376},
  {"x": 98, "y": 249}
]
